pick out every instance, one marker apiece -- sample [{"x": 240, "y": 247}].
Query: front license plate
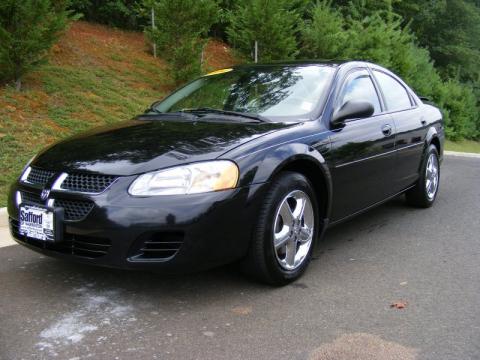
[{"x": 37, "y": 223}]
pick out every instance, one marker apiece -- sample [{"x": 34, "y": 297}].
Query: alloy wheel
[
  {"x": 293, "y": 230},
  {"x": 431, "y": 176}
]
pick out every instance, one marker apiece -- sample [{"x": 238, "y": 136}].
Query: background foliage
[
  {"x": 126, "y": 14},
  {"x": 28, "y": 29},
  {"x": 434, "y": 44},
  {"x": 273, "y": 24},
  {"x": 180, "y": 33}
]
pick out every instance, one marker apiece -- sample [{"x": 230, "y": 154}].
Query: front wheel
[
  {"x": 287, "y": 227},
  {"x": 425, "y": 191}
]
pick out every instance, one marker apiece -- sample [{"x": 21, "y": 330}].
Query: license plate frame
[{"x": 40, "y": 223}]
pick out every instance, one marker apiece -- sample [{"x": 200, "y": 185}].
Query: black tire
[
  {"x": 262, "y": 261},
  {"x": 418, "y": 196}
]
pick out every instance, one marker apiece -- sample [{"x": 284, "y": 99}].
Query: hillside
[{"x": 96, "y": 75}]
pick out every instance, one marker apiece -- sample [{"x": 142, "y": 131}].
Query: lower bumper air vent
[
  {"x": 79, "y": 245},
  {"x": 157, "y": 246}
]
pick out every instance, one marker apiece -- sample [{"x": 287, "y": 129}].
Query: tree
[
  {"x": 351, "y": 32},
  {"x": 450, "y": 29},
  {"x": 181, "y": 29},
  {"x": 125, "y": 14},
  {"x": 28, "y": 29},
  {"x": 323, "y": 35},
  {"x": 272, "y": 23}
]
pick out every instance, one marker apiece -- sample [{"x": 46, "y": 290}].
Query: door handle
[{"x": 387, "y": 130}]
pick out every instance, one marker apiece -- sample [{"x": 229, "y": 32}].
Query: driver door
[{"x": 362, "y": 151}]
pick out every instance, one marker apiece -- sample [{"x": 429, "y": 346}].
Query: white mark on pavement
[
  {"x": 70, "y": 328},
  {"x": 91, "y": 305}
]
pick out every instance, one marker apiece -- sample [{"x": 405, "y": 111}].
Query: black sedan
[{"x": 249, "y": 164}]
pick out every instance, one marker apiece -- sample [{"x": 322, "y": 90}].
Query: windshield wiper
[
  {"x": 154, "y": 112},
  {"x": 207, "y": 110}
]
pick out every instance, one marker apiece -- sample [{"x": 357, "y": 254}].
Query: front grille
[
  {"x": 75, "y": 210},
  {"x": 161, "y": 246},
  {"x": 87, "y": 183},
  {"x": 32, "y": 198},
  {"x": 39, "y": 176},
  {"x": 78, "y": 245}
]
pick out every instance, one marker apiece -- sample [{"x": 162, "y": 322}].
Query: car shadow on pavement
[
  {"x": 207, "y": 285},
  {"x": 224, "y": 277}
]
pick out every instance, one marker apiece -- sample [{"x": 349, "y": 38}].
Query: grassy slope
[
  {"x": 96, "y": 75},
  {"x": 463, "y": 146}
]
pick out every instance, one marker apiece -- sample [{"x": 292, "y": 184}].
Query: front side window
[
  {"x": 360, "y": 88},
  {"x": 273, "y": 91},
  {"x": 396, "y": 96}
]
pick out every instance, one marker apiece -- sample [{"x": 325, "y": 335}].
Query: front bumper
[{"x": 166, "y": 233}]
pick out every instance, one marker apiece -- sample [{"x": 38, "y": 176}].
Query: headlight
[{"x": 188, "y": 179}]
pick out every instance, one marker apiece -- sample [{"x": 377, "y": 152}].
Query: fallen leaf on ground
[
  {"x": 399, "y": 305},
  {"x": 242, "y": 310}
]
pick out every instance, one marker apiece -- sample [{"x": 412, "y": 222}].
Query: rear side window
[
  {"x": 360, "y": 87},
  {"x": 395, "y": 94}
]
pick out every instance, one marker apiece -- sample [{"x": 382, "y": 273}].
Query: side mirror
[{"x": 352, "y": 110}]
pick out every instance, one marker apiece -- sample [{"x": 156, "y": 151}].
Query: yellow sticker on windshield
[{"x": 221, "y": 71}]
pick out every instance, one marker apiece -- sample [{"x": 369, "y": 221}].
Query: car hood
[{"x": 139, "y": 146}]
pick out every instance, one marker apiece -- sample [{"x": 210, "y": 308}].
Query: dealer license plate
[{"x": 37, "y": 223}]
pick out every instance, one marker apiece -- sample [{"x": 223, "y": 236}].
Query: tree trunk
[{"x": 18, "y": 84}]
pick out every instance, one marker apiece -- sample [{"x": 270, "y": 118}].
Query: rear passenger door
[
  {"x": 410, "y": 125},
  {"x": 362, "y": 150}
]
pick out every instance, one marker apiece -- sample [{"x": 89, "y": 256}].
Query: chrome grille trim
[
  {"x": 73, "y": 183},
  {"x": 36, "y": 177},
  {"x": 87, "y": 183}
]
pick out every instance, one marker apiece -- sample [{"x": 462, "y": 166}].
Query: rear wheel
[
  {"x": 425, "y": 191},
  {"x": 287, "y": 227}
]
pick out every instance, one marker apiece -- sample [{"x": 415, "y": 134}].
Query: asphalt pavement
[{"x": 426, "y": 261}]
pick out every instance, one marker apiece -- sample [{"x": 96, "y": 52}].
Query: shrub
[
  {"x": 181, "y": 28},
  {"x": 125, "y": 14},
  {"x": 272, "y": 23},
  {"x": 28, "y": 29},
  {"x": 323, "y": 35}
]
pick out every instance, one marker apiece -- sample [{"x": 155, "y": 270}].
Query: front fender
[
  {"x": 263, "y": 166},
  {"x": 434, "y": 134},
  {"x": 431, "y": 133}
]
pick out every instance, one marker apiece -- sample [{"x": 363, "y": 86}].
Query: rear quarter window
[{"x": 396, "y": 96}]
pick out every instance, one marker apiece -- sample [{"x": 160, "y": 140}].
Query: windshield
[{"x": 274, "y": 92}]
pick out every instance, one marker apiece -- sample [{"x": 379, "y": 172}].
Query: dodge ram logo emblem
[{"x": 44, "y": 194}]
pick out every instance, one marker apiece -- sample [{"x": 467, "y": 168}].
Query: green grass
[
  {"x": 96, "y": 76},
  {"x": 66, "y": 100},
  {"x": 463, "y": 146}
]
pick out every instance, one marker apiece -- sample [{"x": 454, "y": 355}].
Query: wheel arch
[
  {"x": 309, "y": 162},
  {"x": 316, "y": 176},
  {"x": 436, "y": 142},
  {"x": 433, "y": 138}
]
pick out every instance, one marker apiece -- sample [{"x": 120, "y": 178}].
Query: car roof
[
  {"x": 293, "y": 63},
  {"x": 344, "y": 64}
]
